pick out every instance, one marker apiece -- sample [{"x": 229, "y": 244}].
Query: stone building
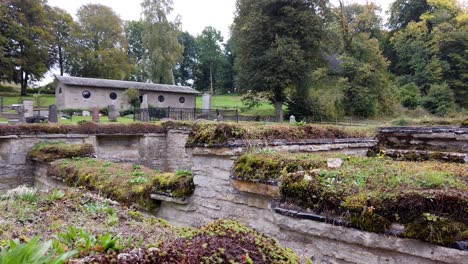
[{"x": 87, "y": 93}]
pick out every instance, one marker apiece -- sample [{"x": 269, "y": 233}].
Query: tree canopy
[{"x": 278, "y": 41}]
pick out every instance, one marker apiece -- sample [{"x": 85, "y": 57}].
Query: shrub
[
  {"x": 126, "y": 112},
  {"x": 465, "y": 123},
  {"x": 104, "y": 111},
  {"x": 440, "y": 100},
  {"x": 410, "y": 96},
  {"x": 122, "y": 182},
  {"x": 51, "y": 151}
]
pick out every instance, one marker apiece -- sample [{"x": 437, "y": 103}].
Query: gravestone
[
  {"x": 53, "y": 114},
  {"x": 292, "y": 120},
  {"x": 96, "y": 115},
  {"x": 113, "y": 113},
  {"x": 85, "y": 113},
  {"x": 28, "y": 108},
  {"x": 220, "y": 118}
]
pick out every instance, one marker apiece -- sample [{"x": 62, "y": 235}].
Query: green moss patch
[
  {"x": 465, "y": 123},
  {"x": 212, "y": 134},
  {"x": 84, "y": 128},
  {"x": 51, "y": 151},
  {"x": 178, "y": 185},
  {"x": 371, "y": 193},
  {"x": 98, "y": 230},
  {"x": 126, "y": 183}
]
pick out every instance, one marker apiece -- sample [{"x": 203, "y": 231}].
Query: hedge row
[
  {"x": 429, "y": 198},
  {"x": 123, "y": 182}
]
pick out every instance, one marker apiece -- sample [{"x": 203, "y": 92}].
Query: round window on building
[
  {"x": 161, "y": 98},
  {"x": 113, "y": 96},
  {"x": 86, "y": 94},
  {"x": 182, "y": 99}
]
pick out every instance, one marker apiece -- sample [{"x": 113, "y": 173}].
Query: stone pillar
[
  {"x": 53, "y": 114},
  {"x": 144, "y": 103},
  {"x": 113, "y": 113},
  {"x": 96, "y": 115},
  {"x": 206, "y": 106},
  {"x": 206, "y": 101},
  {"x": 144, "y": 109}
]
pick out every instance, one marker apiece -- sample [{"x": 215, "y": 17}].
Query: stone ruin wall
[{"x": 217, "y": 196}]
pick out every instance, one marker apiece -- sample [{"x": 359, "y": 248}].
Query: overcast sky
[{"x": 196, "y": 14}]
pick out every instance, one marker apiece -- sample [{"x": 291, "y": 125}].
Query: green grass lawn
[
  {"x": 104, "y": 120},
  {"x": 45, "y": 100},
  {"x": 234, "y": 102}
]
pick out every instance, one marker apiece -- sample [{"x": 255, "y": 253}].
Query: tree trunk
[
  {"x": 211, "y": 81},
  {"x": 24, "y": 83},
  {"x": 60, "y": 60},
  {"x": 279, "y": 112}
]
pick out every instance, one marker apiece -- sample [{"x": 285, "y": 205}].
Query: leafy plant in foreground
[{"x": 33, "y": 252}]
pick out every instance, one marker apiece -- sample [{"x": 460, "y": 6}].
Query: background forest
[{"x": 321, "y": 61}]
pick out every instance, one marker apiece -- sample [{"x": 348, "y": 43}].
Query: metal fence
[{"x": 184, "y": 114}]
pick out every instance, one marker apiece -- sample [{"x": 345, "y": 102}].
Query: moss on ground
[
  {"x": 126, "y": 183},
  {"x": 371, "y": 193},
  {"x": 101, "y": 231},
  {"x": 212, "y": 134},
  {"x": 51, "y": 151}
]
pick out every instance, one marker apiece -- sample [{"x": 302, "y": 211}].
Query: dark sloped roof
[{"x": 103, "y": 83}]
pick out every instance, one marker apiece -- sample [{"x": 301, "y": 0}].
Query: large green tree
[
  {"x": 402, "y": 12},
  {"x": 134, "y": 31},
  {"x": 185, "y": 69},
  {"x": 26, "y": 41},
  {"x": 63, "y": 27},
  {"x": 161, "y": 41},
  {"x": 100, "y": 48},
  {"x": 278, "y": 41},
  {"x": 433, "y": 50},
  {"x": 210, "y": 58}
]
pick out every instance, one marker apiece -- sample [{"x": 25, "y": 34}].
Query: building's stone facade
[
  {"x": 102, "y": 93},
  {"x": 72, "y": 97}
]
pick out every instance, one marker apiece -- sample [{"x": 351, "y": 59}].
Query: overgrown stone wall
[
  {"x": 216, "y": 197},
  {"x": 152, "y": 150},
  {"x": 425, "y": 143}
]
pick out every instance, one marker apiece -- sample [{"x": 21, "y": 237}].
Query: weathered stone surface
[
  {"x": 334, "y": 163},
  {"x": 257, "y": 188},
  {"x": 168, "y": 199}
]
